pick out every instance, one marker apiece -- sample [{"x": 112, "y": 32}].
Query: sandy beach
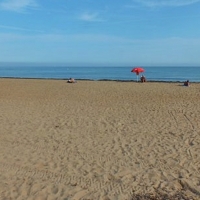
[{"x": 93, "y": 140}]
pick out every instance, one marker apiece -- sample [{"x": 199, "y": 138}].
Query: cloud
[
  {"x": 17, "y": 5},
  {"x": 99, "y": 38},
  {"x": 19, "y": 28},
  {"x": 157, "y": 3},
  {"x": 90, "y": 17},
  {"x": 98, "y": 49}
]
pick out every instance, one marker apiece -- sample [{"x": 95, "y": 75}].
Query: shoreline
[{"x": 109, "y": 80}]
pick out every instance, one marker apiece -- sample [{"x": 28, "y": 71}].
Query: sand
[{"x": 98, "y": 139}]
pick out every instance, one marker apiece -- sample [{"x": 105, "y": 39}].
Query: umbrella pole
[{"x": 137, "y": 78}]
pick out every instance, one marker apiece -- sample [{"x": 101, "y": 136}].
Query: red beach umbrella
[{"x": 137, "y": 70}]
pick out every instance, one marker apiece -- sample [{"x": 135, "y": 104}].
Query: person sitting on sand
[
  {"x": 71, "y": 80},
  {"x": 143, "y": 79},
  {"x": 186, "y": 83}
]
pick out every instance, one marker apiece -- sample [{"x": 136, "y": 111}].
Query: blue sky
[{"x": 101, "y": 32}]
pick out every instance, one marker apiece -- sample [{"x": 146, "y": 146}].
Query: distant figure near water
[
  {"x": 143, "y": 79},
  {"x": 71, "y": 80},
  {"x": 186, "y": 83}
]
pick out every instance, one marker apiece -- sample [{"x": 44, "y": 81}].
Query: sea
[{"x": 152, "y": 73}]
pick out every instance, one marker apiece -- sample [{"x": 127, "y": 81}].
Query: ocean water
[{"x": 172, "y": 74}]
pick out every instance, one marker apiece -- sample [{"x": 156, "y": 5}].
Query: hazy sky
[{"x": 102, "y": 32}]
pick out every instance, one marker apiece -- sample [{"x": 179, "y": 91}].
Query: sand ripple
[{"x": 98, "y": 140}]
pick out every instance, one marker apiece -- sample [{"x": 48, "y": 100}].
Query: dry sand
[{"x": 98, "y": 139}]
